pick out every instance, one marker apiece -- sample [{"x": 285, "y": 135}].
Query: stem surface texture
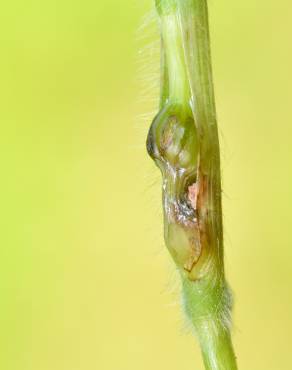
[{"x": 183, "y": 142}]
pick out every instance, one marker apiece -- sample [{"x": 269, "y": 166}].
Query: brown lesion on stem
[
  {"x": 173, "y": 144},
  {"x": 195, "y": 253},
  {"x": 196, "y": 194},
  {"x": 167, "y": 137}
]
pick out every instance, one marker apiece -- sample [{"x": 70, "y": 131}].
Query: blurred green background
[{"x": 86, "y": 282}]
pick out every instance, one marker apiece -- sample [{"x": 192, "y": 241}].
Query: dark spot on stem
[{"x": 150, "y": 144}]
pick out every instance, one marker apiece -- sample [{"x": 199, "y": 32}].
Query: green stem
[
  {"x": 208, "y": 308},
  {"x": 216, "y": 346},
  {"x": 183, "y": 141},
  {"x": 178, "y": 83}
]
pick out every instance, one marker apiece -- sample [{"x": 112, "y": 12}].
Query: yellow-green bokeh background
[{"x": 86, "y": 283}]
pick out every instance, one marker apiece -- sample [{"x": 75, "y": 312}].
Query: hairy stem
[
  {"x": 212, "y": 329},
  {"x": 183, "y": 142}
]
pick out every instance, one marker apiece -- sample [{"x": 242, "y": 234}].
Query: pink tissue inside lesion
[{"x": 193, "y": 191}]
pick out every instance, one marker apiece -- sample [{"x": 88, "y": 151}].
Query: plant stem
[
  {"x": 209, "y": 314},
  {"x": 174, "y": 54},
  {"x": 183, "y": 141},
  {"x": 216, "y": 346}
]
